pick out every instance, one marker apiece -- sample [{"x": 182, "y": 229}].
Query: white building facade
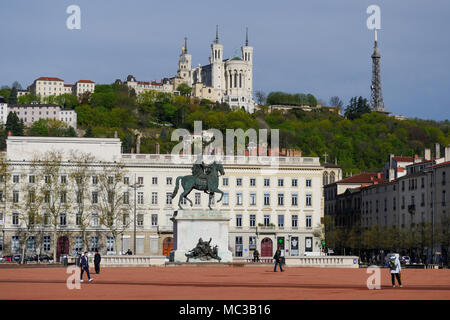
[{"x": 268, "y": 208}]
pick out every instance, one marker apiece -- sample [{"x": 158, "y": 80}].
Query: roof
[
  {"x": 68, "y": 85},
  {"x": 148, "y": 83},
  {"x": 49, "y": 79},
  {"x": 446, "y": 163},
  {"x": 33, "y": 105},
  {"x": 2, "y": 100},
  {"x": 366, "y": 177},
  {"x": 403, "y": 159},
  {"x": 85, "y": 81}
]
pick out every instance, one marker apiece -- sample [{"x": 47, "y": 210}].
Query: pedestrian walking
[
  {"x": 277, "y": 258},
  {"x": 85, "y": 267},
  {"x": 256, "y": 255},
  {"x": 97, "y": 259},
  {"x": 395, "y": 269}
]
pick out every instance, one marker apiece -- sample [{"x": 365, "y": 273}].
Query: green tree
[
  {"x": 184, "y": 89},
  {"x": 356, "y": 108},
  {"x": 89, "y": 133},
  {"x": 13, "y": 96},
  {"x": 14, "y": 124}
]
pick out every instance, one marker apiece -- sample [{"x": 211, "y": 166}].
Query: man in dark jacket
[
  {"x": 85, "y": 267},
  {"x": 277, "y": 258},
  {"x": 97, "y": 259}
]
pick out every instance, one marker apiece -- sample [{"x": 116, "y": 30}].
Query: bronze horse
[{"x": 208, "y": 185}]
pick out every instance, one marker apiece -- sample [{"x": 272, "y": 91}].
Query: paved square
[{"x": 205, "y": 283}]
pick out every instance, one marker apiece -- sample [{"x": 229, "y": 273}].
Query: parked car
[
  {"x": 7, "y": 258},
  {"x": 16, "y": 257},
  {"x": 44, "y": 257}
]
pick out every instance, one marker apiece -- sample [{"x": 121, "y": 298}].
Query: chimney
[
  {"x": 157, "y": 148},
  {"x": 9, "y": 133},
  {"x": 115, "y": 134},
  {"x": 416, "y": 158},
  {"x": 427, "y": 154},
  {"x": 437, "y": 147},
  {"x": 378, "y": 175},
  {"x": 447, "y": 153}
]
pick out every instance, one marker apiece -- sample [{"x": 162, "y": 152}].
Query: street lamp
[{"x": 135, "y": 186}]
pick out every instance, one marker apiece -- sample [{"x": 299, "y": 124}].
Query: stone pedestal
[{"x": 191, "y": 225}]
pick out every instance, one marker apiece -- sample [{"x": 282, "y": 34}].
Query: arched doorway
[
  {"x": 62, "y": 246},
  {"x": 266, "y": 247},
  {"x": 167, "y": 246}
]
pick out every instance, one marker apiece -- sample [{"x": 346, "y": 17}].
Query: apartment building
[{"x": 31, "y": 113}]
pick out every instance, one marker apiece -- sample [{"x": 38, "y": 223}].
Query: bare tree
[
  {"x": 54, "y": 190},
  {"x": 336, "y": 102},
  {"x": 28, "y": 212},
  {"x": 111, "y": 204},
  {"x": 260, "y": 97},
  {"x": 80, "y": 176}
]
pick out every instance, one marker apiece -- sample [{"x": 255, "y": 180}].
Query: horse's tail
[{"x": 176, "y": 187}]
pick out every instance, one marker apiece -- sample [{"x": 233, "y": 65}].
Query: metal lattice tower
[{"x": 376, "y": 95}]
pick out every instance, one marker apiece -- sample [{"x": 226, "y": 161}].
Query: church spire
[
  {"x": 217, "y": 34},
  {"x": 246, "y": 37},
  {"x": 185, "y": 45}
]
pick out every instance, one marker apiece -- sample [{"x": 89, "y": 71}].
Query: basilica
[{"x": 221, "y": 80}]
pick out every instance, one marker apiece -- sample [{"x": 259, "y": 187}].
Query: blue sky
[{"x": 309, "y": 46}]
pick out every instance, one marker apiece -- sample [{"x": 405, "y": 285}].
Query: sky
[{"x": 300, "y": 46}]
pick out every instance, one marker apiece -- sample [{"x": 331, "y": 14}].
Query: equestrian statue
[{"x": 204, "y": 178}]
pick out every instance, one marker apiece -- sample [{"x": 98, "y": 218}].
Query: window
[
  {"x": 154, "y": 219},
  {"x": 30, "y": 243},
  {"x": 15, "y": 219},
  {"x": 126, "y": 219},
  {"x": 252, "y": 182},
  {"x": 266, "y": 220},
  {"x": 252, "y": 199},
  {"x": 251, "y": 242},
  {"x": 281, "y": 221},
  {"x": 15, "y": 243},
  {"x": 47, "y": 179},
  {"x": 47, "y": 219},
  {"x": 294, "y": 182},
  {"x": 140, "y": 198},
  {"x": 94, "y": 220},
  {"x": 94, "y": 197},
  {"x": 63, "y": 197},
  {"x": 294, "y": 199},
  {"x": 239, "y": 198},
  {"x": 109, "y": 244},
  {"x": 154, "y": 180},
  {"x": 78, "y": 219},
  {"x": 32, "y": 196},
  {"x": 168, "y": 198},
  {"x": 79, "y": 243},
  {"x": 280, "y": 182},
  {"x": 79, "y": 197},
  {"x": 294, "y": 221},
  {"x": 154, "y": 197},
  {"x": 140, "y": 220},
  {"x": 110, "y": 180},
  {"x": 308, "y": 199},
  {"x": 1, "y": 218},
  {"x": 197, "y": 198},
  {"x": 94, "y": 179},
  {"x": 94, "y": 243},
  {"x": 126, "y": 180},
  {"x": 31, "y": 179},
  {"x": 252, "y": 220},
  {"x": 238, "y": 247},
  {"x": 63, "y": 179},
  {"x": 16, "y": 178},
  {"x": 225, "y": 181},
  {"x": 126, "y": 197},
  {"x": 47, "y": 243},
  {"x": 308, "y": 182},
  {"x": 266, "y": 199},
  {"x": 308, "y": 221},
  {"x": 239, "y": 220},
  {"x": 225, "y": 199},
  {"x": 281, "y": 199},
  {"x": 62, "y": 219},
  {"x": 140, "y": 180},
  {"x": 169, "y": 181},
  {"x": 394, "y": 204},
  {"x": 15, "y": 196},
  {"x": 266, "y": 182},
  {"x": 239, "y": 181}
]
